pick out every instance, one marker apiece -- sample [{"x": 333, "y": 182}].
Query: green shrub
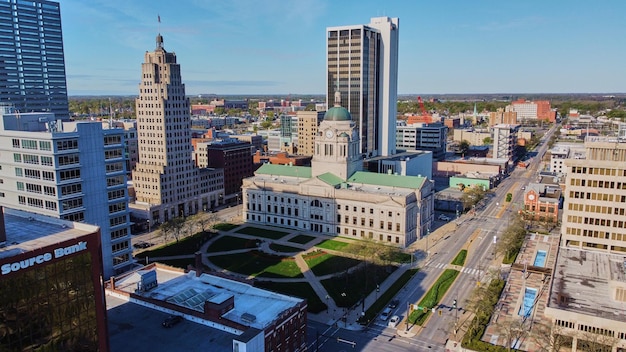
[
  {"x": 433, "y": 296},
  {"x": 460, "y": 258}
]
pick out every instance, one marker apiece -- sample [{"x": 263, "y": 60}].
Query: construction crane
[{"x": 424, "y": 118}]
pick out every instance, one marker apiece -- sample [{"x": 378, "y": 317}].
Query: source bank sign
[{"x": 42, "y": 258}]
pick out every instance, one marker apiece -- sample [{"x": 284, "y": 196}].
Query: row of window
[
  {"x": 597, "y": 196},
  {"x": 596, "y": 209},
  {"x": 598, "y": 183},
  {"x": 594, "y": 221},
  {"x": 598, "y": 171},
  {"x": 31, "y": 144}
]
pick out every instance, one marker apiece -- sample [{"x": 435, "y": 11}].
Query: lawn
[
  {"x": 229, "y": 243},
  {"x": 255, "y": 263},
  {"x": 433, "y": 296},
  {"x": 188, "y": 245},
  {"x": 460, "y": 258},
  {"x": 322, "y": 263},
  {"x": 296, "y": 289},
  {"x": 255, "y": 231},
  {"x": 302, "y": 239},
  {"x": 224, "y": 226},
  {"x": 357, "y": 284},
  {"x": 333, "y": 245},
  {"x": 282, "y": 248}
]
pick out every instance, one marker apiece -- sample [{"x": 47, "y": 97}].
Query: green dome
[{"x": 337, "y": 113}]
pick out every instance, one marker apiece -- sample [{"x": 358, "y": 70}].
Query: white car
[
  {"x": 393, "y": 322},
  {"x": 444, "y": 217},
  {"x": 385, "y": 314}
]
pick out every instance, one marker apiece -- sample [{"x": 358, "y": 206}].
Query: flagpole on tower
[{"x": 159, "y": 19}]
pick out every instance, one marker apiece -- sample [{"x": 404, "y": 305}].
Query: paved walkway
[{"x": 333, "y": 314}]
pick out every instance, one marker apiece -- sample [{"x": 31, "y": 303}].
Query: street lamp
[
  {"x": 327, "y": 297},
  {"x": 378, "y": 286}
]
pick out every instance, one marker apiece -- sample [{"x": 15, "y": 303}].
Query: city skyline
[{"x": 278, "y": 47}]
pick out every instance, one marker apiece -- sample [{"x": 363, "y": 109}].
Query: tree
[
  {"x": 310, "y": 107},
  {"x": 173, "y": 227},
  {"x": 219, "y": 110},
  {"x": 549, "y": 337},
  {"x": 464, "y": 147},
  {"x": 487, "y": 141},
  {"x": 267, "y": 123},
  {"x": 513, "y": 330}
]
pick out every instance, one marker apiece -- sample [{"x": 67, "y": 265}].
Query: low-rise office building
[
  {"x": 50, "y": 284},
  {"x": 254, "y": 320}
]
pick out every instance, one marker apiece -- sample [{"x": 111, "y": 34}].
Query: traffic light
[{"x": 454, "y": 304}]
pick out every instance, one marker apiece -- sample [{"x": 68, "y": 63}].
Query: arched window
[{"x": 316, "y": 203}]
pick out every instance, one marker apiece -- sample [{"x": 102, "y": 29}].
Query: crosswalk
[{"x": 464, "y": 270}]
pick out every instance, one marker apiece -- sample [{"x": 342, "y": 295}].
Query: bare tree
[
  {"x": 514, "y": 331},
  {"x": 549, "y": 337},
  {"x": 173, "y": 227}
]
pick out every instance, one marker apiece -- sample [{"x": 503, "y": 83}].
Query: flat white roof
[{"x": 181, "y": 289}]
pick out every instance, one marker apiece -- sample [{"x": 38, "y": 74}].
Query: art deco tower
[{"x": 165, "y": 177}]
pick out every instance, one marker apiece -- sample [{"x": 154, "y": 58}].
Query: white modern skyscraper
[
  {"x": 166, "y": 181},
  {"x": 73, "y": 171},
  {"x": 32, "y": 63},
  {"x": 362, "y": 65}
]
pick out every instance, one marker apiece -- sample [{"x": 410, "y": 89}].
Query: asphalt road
[{"x": 489, "y": 221}]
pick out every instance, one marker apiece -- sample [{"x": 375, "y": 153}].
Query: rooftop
[
  {"x": 28, "y": 231},
  {"x": 189, "y": 291},
  {"x": 376, "y": 179},
  {"x": 588, "y": 280},
  {"x": 284, "y": 170},
  {"x": 133, "y": 327}
]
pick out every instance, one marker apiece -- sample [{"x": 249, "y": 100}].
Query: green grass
[
  {"x": 322, "y": 263},
  {"x": 188, "y": 245},
  {"x": 255, "y": 263},
  {"x": 302, "y": 239},
  {"x": 282, "y": 248},
  {"x": 385, "y": 297},
  {"x": 333, "y": 245},
  {"x": 229, "y": 243},
  {"x": 460, "y": 258},
  {"x": 224, "y": 226},
  {"x": 399, "y": 257},
  {"x": 296, "y": 289},
  {"x": 356, "y": 284},
  {"x": 255, "y": 231},
  {"x": 433, "y": 296}
]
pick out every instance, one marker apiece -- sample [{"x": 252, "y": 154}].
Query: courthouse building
[{"x": 334, "y": 196}]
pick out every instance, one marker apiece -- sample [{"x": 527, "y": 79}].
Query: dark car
[
  {"x": 394, "y": 304},
  {"x": 171, "y": 321}
]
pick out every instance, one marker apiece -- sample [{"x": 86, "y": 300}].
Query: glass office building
[
  {"x": 51, "y": 297},
  {"x": 32, "y": 63}
]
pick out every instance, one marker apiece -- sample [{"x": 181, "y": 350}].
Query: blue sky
[{"x": 278, "y": 46}]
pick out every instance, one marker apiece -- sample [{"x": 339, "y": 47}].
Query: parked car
[
  {"x": 385, "y": 314},
  {"x": 171, "y": 321},
  {"x": 394, "y": 304},
  {"x": 393, "y": 322},
  {"x": 444, "y": 217}
]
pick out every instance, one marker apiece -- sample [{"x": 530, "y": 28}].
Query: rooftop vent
[{"x": 248, "y": 318}]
